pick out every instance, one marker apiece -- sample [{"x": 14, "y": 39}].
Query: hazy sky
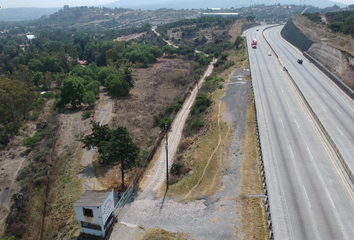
[{"x": 73, "y": 3}]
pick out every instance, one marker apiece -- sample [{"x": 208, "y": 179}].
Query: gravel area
[{"x": 214, "y": 218}]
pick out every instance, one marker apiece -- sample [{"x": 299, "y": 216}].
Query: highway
[{"x": 309, "y": 198}]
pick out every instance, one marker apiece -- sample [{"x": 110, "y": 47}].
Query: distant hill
[
  {"x": 20, "y": 14},
  {"x": 196, "y": 4}
]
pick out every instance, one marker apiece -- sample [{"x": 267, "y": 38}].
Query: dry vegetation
[
  {"x": 12, "y": 160},
  {"x": 212, "y": 34},
  {"x": 157, "y": 87},
  {"x": 160, "y": 234}
]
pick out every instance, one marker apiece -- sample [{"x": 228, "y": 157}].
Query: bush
[
  {"x": 165, "y": 120},
  {"x": 36, "y": 138},
  {"x": 197, "y": 123},
  {"x": 48, "y": 95},
  {"x": 34, "y": 116},
  {"x": 219, "y": 62},
  {"x": 37, "y": 104},
  {"x": 208, "y": 78},
  {"x": 86, "y": 115},
  {"x": 229, "y": 64},
  {"x": 176, "y": 167},
  {"x": 40, "y": 156},
  {"x": 221, "y": 86}
]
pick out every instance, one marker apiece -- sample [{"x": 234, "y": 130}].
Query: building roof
[
  {"x": 220, "y": 13},
  {"x": 92, "y": 198},
  {"x": 30, "y": 37}
]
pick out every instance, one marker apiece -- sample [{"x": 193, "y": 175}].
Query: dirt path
[
  {"x": 168, "y": 42},
  {"x": 103, "y": 115},
  {"x": 145, "y": 200}
]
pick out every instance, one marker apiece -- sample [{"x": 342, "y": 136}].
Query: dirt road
[{"x": 103, "y": 115}]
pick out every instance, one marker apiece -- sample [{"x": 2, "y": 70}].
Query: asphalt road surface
[{"x": 309, "y": 198}]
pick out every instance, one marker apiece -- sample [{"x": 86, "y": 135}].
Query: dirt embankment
[{"x": 332, "y": 50}]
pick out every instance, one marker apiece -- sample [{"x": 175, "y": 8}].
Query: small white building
[
  {"x": 94, "y": 211},
  {"x": 30, "y": 37}
]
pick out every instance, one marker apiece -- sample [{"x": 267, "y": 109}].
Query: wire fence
[{"x": 123, "y": 200}]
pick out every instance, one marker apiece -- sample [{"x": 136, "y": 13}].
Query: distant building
[
  {"x": 30, "y": 37},
  {"x": 94, "y": 212},
  {"x": 214, "y": 9},
  {"x": 222, "y": 15}
]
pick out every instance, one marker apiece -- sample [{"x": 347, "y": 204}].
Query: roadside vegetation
[
  {"x": 159, "y": 234},
  {"x": 200, "y": 157}
]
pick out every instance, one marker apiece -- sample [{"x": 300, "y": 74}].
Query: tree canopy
[{"x": 114, "y": 146}]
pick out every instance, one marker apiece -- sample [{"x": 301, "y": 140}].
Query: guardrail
[
  {"x": 331, "y": 76},
  {"x": 264, "y": 179},
  {"x": 319, "y": 123}
]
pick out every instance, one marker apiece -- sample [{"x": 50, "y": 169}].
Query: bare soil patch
[{"x": 129, "y": 37}]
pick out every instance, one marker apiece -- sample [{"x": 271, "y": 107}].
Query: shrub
[
  {"x": 48, "y": 95},
  {"x": 36, "y": 138},
  {"x": 41, "y": 155},
  {"x": 229, "y": 64},
  {"x": 165, "y": 120},
  {"x": 156, "y": 119},
  {"x": 221, "y": 86},
  {"x": 37, "y": 104},
  {"x": 197, "y": 123},
  {"x": 208, "y": 78},
  {"x": 34, "y": 116},
  {"x": 176, "y": 167},
  {"x": 86, "y": 115},
  {"x": 219, "y": 62}
]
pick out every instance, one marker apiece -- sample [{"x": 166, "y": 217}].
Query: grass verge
[{"x": 252, "y": 211}]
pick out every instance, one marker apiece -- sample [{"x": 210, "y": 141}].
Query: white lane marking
[
  {"x": 271, "y": 90},
  {"x": 325, "y": 95},
  {"x": 275, "y": 104},
  {"x": 297, "y": 124},
  {"x": 309, "y": 152},
  {"x": 312, "y": 94},
  {"x": 308, "y": 200},
  {"x": 288, "y": 104},
  {"x": 330, "y": 198},
  {"x": 340, "y": 131},
  {"x": 282, "y": 90},
  {"x": 323, "y": 108},
  {"x": 267, "y": 79},
  {"x": 338, "y": 111},
  {"x": 276, "y": 79},
  {"x": 282, "y": 123},
  {"x": 291, "y": 151}
]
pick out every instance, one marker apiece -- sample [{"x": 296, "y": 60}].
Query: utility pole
[{"x": 166, "y": 146}]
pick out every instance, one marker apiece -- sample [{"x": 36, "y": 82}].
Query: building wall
[{"x": 97, "y": 215}]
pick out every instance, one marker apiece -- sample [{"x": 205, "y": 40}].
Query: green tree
[
  {"x": 37, "y": 78},
  {"x": 113, "y": 146},
  {"x": 93, "y": 86},
  {"x": 118, "y": 87},
  {"x": 89, "y": 98},
  {"x": 72, "y": 91},
  {"x": 128, "y": 76},
  {"x": 120, "y": 148},
  {"x": 238, "y": 41}
]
